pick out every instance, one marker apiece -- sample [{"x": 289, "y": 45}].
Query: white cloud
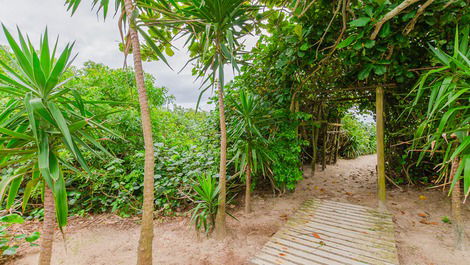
[{"x": 97, "y": 40}]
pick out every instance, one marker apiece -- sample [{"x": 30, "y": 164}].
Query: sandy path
[{"x": 110, "y": 240}]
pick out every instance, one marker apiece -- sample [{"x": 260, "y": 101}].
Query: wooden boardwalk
[{"x": 331, "y": 233}]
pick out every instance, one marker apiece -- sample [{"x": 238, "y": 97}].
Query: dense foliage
[
  {"x": 358, "y": 138},
  {"x": 291, "y": 103},
  {"x": 184, "y": 146}
]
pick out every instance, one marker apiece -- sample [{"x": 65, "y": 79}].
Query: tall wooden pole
[
  {"x": 325, "y": 132},
  {"x": 379, "y": 105},
  {"x": 315, "y": 133},
  {"x": 337, "y": 130}
]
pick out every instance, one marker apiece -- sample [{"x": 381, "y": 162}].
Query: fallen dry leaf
[
  {"x": 316, "y": 235},
  {"x": 422, "y": 197},
  {"x": 422, "y": 215}
]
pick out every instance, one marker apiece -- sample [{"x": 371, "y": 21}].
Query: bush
[{"x": 359, "y": 138}]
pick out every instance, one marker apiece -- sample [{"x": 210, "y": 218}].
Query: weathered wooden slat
[
  {"x": 265, "y": 258},
  {"x": 354, "y": 250},
  {"x": 371, "y": 213},
  {"x": 290, "y": 255},
  {"x": 355, "y": 216},
  {"x": 342, "y": 219},
  {"x": 332, "y": 233},
  {"x": 347, "y": 240},
  {"x": 318, "y": 250},
  {"x": 307, "y": 258},
  {"x": 346, "y": 227}
]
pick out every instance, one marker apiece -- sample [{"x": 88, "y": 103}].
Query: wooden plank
[
  {"x": 361, "y": 214},
  {"x": 293, "y": 251},
  {"x": 287, "y": 255},
  {"x": 348, "y": 238},
  {"x": 332, "y": 233},
  {"x": 364, "y": 224},
  {"x": 319, "y": 250},
  {"x": 362, "y": 251},
  {"x": 347, "y": 227},
  {"x": 322, "y": 209}
]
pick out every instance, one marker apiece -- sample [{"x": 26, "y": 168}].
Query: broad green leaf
[
  {"x": 12, "y": 219},
  {"x": 346, "y": 42},
  {"x": 14, "y": 187},
  {"x": 360, "y": 22}
]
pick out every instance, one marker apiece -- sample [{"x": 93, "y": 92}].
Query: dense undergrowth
[{"x": 186, "y": 147}]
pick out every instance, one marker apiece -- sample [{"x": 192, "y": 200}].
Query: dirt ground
[{"x": 422, "y": 237}]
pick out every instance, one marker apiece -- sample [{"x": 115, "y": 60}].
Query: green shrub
[
  {"x": 9, "y": 242},
  {"x": 206, "y": 192},
  {"x": 358, "y": 139}
]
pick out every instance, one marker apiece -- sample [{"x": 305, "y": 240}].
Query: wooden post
[
  {"x": 323, "y": 156},
  {"x": 315, "y": 133},
  {"x": 338, "y": 129},
  {"x": 457, "y": 220},
  {"x": 379, "y": 105}
]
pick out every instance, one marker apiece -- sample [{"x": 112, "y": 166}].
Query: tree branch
[
  {"x": 410, "y": 26},
  {"x": 390, "y": 15}
]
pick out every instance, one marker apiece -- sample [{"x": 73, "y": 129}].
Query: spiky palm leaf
[
  {"x": 41, "y": 118},
  {"x": 447, "y": 123},
  {"x": 214, "y": 33},
  {"x": 247, "y": 125}
]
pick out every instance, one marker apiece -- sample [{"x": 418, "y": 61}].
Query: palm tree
[
  {"x": 251, "y": 153},
  {"x": 41, "y": 119},
  {"x": 129, "y": 10},
  {"x": 214, "y": 35}
]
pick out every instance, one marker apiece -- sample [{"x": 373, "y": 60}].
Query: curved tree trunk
[
  {"x": 248, "y": 186},
  {"x": 47, "y": 235},
  {"x": 220, "y": 229},
  {"x": 144, "y": 252},
  {"x": 459, "y": 231}
]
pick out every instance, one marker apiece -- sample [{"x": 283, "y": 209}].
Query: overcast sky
[{"x": 97, "y": 40}]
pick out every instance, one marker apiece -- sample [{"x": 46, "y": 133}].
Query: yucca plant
[
  {"x": 213, "y": 36},
  {"x": 206, "y": 199},
  {"x": 446, "y": 125},
  {"x": 251, "y": 147},
  {"x": 41, "y": 120}
]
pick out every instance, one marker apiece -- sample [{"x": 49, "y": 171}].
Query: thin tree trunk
[
  {"x": 220, "y": 229},
  {"x": 248, "y": 186},
  {"x": 459, "y": 231},
  {"x": 47, "y": 235},
  {"x": 144, "y": 251}
]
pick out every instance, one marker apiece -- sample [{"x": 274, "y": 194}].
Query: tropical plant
[
  {"x": 206, "y": 199},
  {"x": 445, "y": 127},
  {"x": 129, "y": 13},
  {"x": 9, "y": 242},
  {"x": 248, "y": 128},
  {"x": 41, "y": 123},
  {"x": 213, "y": 42}
]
